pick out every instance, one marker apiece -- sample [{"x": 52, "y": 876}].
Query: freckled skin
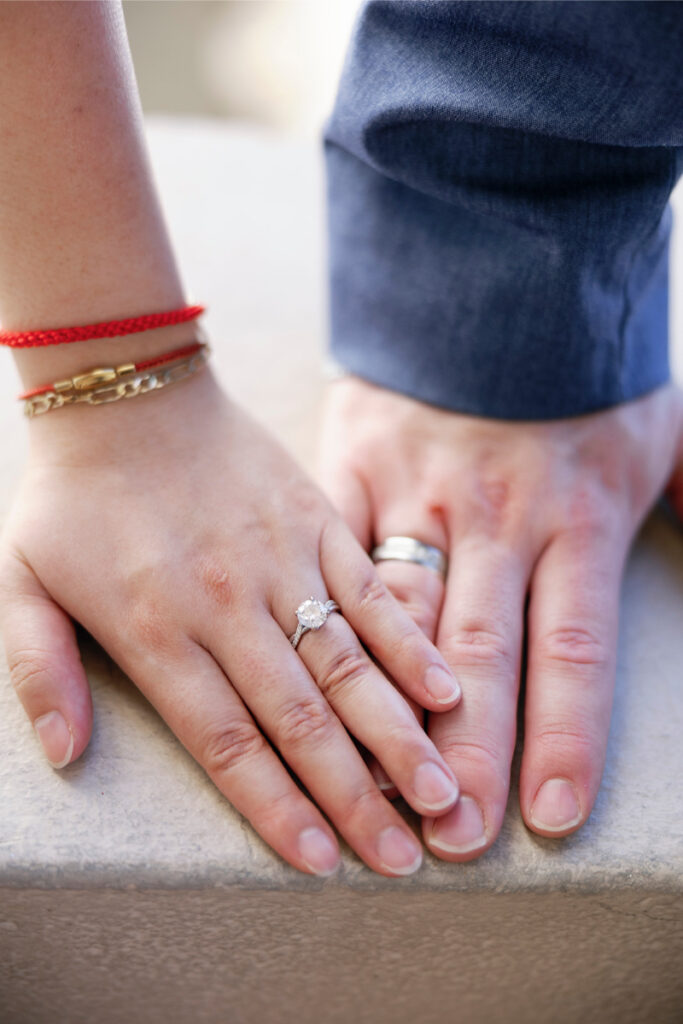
[{"x": 215, "y": 582}]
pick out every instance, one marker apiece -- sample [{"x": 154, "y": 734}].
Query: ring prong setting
[{"x": 312, "y": 614}]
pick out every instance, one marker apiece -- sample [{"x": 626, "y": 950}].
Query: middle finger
[{"x": 480, "y": 635}]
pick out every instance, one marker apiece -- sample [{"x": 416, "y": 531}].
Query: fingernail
[
  {"x": 461, "y": 830},
  {"x": 55, "y": 737},
  {"x": 555, "y": 807},
  {"x": 318, "y": 851},
  {"x": 433, "y": 787},
  {"x": 441, "y": 685},
  {"x": 398, "y": 852}
]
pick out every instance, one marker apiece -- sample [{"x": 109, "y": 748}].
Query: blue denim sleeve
[{"x": 498, "y": 182}]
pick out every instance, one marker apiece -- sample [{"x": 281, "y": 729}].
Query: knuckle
[
  {"x": 479, "y": 752},
  {"x": 411, "y": 645},
  {"x": 564, "y": 741},
  {"x": 147, "y": 625},
  {"x": 305, "y": 720},
  {"x": 215, "y": 581},
  {"x": 409, "y": 735},
  {"x": 495, "y": 498},
  {"x": 573, "y": 646},
  {"x": 495, "y": 490},
  {"x": 309, "y": 503},
  {"x": 478, "y": 642},
  {"x": 28, "y": 668},
  {"x": 588, "y": 511},
  {"x": 497, "y": 503},
  {"x": 421, "y": 612},
  {"x": 230, "y": 746},
  {"x": 345, "y": 670},
  {"x": 481, "y": 755},
  {"x": 372, "y": 593},
  {"x": 281, "y": 809},
  {"x": 365, "y": 804}
]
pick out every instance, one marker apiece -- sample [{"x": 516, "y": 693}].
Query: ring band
[
  {"x": 408, "y": 549},
  {"x": 312, "y": 614}
]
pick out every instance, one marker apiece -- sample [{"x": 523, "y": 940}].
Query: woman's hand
[
  {"x": 183, "y": 538},
  {"x": 544, "y": 509}
]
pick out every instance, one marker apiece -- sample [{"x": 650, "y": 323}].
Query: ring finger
[{"x": 419, "y": 589}]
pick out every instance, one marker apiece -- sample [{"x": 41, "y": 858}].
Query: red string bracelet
[
  {"x": 146, "y": 364},
  {"x": 104, "y": 329}
]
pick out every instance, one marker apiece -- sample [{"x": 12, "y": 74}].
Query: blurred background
[{"x": 273, "y": 62}]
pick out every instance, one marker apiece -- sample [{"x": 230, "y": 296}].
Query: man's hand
[{"x": 546, "y": 510}]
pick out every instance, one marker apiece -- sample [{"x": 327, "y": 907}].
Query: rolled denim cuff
[
  {"x": 483, "y": 314},
  {"x": 498, "y": 181}
]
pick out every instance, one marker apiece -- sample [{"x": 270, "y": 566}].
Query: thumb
[{"x": 44, "y": 663}]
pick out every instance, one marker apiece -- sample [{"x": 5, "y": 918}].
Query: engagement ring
[{"x": 312, "y": 614}]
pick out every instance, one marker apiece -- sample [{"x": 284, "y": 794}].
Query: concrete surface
[{"x": 131, "y": 890}]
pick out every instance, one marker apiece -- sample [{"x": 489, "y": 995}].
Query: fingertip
[
  {"x": 443, "y": 689},
  {"x": 556, "y": 809},
  {"x": 319, "y": 852},
  {"x": 461, "y": 834},
  {"x": 45, "y": 668},
  {"x": 56, "y": 696},
  {"x": 56, "y": 738},
  {"x": 62, "y": 717}
]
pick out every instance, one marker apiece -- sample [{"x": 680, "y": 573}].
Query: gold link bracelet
[{"x": 109, "y": 384}]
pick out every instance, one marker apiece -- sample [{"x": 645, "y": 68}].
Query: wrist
[{"x": 146, "y": 426}]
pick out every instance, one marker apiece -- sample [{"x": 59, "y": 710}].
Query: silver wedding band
[
  {"x": 409, "y": 549},
  {"x": 311, "y": 615}
]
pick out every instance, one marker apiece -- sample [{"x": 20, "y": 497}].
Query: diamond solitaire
[{"x": 312, "y": 614}]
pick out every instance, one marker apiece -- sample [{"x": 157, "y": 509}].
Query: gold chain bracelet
[{"x": 109, "y": 384}]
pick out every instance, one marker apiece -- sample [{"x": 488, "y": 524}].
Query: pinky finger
[{"x": 44, "y": 664}]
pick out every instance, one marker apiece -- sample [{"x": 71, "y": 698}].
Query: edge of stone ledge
[{"x": 438, "y": 877}]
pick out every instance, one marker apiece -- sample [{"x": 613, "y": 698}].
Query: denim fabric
[{"x": 498, "y": 180}]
